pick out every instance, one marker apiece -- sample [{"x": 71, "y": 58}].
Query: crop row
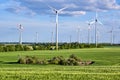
[
  {"x": 57, "y": 76},
  {"x": 61, "y": 73}
]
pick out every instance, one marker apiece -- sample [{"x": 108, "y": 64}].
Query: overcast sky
[{"x": 36, "y": 16}]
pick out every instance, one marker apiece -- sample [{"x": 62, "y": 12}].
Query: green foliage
[
  {"x": 45, "y": 46},
  {"x": 59, "y": 60},
  {"x": 19, "y": 48},
  {"x": 9, "y": 48},
  {"x": 1, "y": 48},
  {"x": 28, "y": 48},
  {"x": 34, "y": 47},
  {"x": 22, "y": 61},
  {"x": 31, "y": 60},
  {"x": 77, "y": 46}
]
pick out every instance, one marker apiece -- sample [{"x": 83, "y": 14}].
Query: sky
[{"x": 36, "y": 16}]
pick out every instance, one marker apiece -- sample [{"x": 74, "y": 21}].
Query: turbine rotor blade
[
  {"x": 92, "y": 22},
  {"x": 100, "y": 22},
  {"x": 52, "y": 8},
  {"x": 88, "y": 22},
  {"x": 62, "y": 9},
  {"x": 96, "y": 15}
]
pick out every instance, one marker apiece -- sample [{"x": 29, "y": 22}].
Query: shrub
[
  {"x": 74, "y": 57},
  {"x": 8, "y": 48},
  {"x": 19, "y": 48},
  {"x": 1, "y": 48},
  {"x": 99, "y": 46},
  {"x": 30, "y": 60},
  {"x": 22, "y": 61},
  {"x": 28, "y": 48},
  {"x": 59, "y": 60},
  {"x": 34, "y": 47},
  {"x": 81, "y": 46}
]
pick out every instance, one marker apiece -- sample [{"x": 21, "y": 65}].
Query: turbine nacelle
[{"x": 57, "y": 11}]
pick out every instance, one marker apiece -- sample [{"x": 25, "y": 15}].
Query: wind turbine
[
  {"x": 70, "y": 38},
  {"x": 78, "y": 35},
  {"x": 89, "y": 28},
  {"x": 52, "y": 37},
  {"x": 98, "y": 37},
  {"x": 112, "y": 34},
  {"x": 57, "y": 12},
  {"x": 20, "y": 33},
  {"x": 95, "y": 22},
  {"x": 111, "y": 38},
  {"x": 36, "y": 37}
]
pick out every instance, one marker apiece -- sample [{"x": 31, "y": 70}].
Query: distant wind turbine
[
  {"x": 57, "y": 12},
  {"x": 20, "y": 31},
  {"x": 36, "y": 37},
  {"x": 70, "y": 38},
  {"x": 52, "y": 37},
  {"x": 112, "y": 34},
  {"x": 78, "y": 35},
  {"x": 95, "y": 22},
  {"x": 89, "y": 28}
]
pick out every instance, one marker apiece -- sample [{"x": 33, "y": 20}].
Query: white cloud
[
  {"x": 74, "y": 13},
  {"x": 75, "y": 6},
  {"x": 16, "y": 7},
  {"x": 71, "y": 5}
]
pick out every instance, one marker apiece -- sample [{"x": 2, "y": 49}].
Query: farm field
[{"x": 106, "y": 66}]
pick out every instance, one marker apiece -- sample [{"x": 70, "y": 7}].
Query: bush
[
  {"x": 9, "y": 48},
  {"x": 28, "y": 48},
  {"x": 1, "y": 48},
  {"x": 59, "y": 60},
  {"x": 31, "y": 60},
  {"x": 99, "y": 46},
  {"x": 82, "y": 46},
  {"x": 22, "y": 61},
  {"x": 19, "y": 48},
  {"x": 34, "y": 47},
  {"x": 74, "y": 57}
]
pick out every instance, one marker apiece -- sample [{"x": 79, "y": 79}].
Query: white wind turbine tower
[
  {"x": 20, "y": 33},
  {"x": 70, "y": 38},
  {"x": 52, "y": 37},
  {"x": 78, "y": 35},
  {"x": 112, "y": 31},
  {"x": 98, "y": 37},
  {"x": 89, "y": 28},
  {"x": 112, "y": 35},
  {"x": 96, "y": 29},
  {"x": 36, "y": 37},
  {"x": 57, "y": 12}
]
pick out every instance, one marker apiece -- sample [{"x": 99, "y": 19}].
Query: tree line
[{"x": 43, "y": 46}]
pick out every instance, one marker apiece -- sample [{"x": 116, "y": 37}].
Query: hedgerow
[{"x": 45, "y": 46}]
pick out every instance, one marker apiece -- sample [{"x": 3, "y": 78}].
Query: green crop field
[{"x": 106, "y": 66}]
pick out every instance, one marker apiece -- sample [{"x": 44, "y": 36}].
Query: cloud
[
  {"x": 76, "y": 7},
  {"x": 74, "y": 13},
  {"x": 15, "y": 7}
]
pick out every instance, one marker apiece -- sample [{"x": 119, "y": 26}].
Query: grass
[
  {"x": 53, "y": 72},
  {"x": 106, "y": 66},
  {"x": 101, "y": 56}
]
